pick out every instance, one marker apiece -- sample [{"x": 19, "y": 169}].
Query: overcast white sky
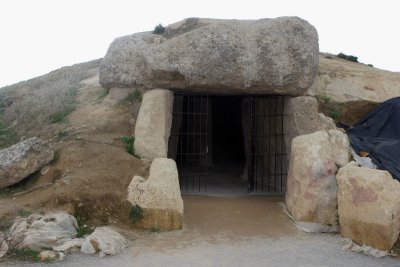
[{"x": 38, "y": 36}]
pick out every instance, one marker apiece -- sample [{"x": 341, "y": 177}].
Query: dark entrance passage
[
  {"x": 229, "y": 144},
  {"x": 227, "y": 149}
]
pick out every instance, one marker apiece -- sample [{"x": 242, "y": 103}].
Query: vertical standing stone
[
  {"x": 153, "y": 125},
  {"x": 311, "y": 194},
  {"x": 159, "y": 196}
]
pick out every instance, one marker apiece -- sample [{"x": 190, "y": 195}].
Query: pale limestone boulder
[
  {"x": 159, "y": 196},
  {"x": 355, "y": 87},
  {"x": 325, "y": 123},
  {"x": 311, "y": 194},
  {"x": 369, "y": 206},
  {"x": 70, "y": 245},
  {"x": 48, "y": 255},
  {"x": 104, "y": 240},
  {"x": 20, "y": 160},
  {"x": 153, "y": 125},
  {"x": 37, "y": 231},
  {"x": 266, "y": 56}
]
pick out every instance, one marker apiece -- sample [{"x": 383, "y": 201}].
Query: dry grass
[{"x": 28, "y": 107}]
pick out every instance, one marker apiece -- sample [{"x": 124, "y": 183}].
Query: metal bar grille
[
  {"x": 188, "y": 140},
  {"x": 268, "y": 158}
]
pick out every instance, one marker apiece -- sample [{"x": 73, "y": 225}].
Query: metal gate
[
  {"x": 262, "y": 118},
  {"x": 267, "y": 165},
  {"x": 189, "y": 139}
]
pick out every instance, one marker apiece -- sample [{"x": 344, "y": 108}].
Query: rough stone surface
[
  {"x": 325, "y": 123},
  {"x": 3, "y": 245},
  {"x": 47, "y": 255},
  {"x": 38, "y": 231},
  {"x": 302, "y": 116},
  {"x": 104, "y": 240},
  {"x": 153, "y": 125},
  {"x": 369, "y": 206},
  {"x": 22, "y": 159},
  {"x": 311, "y": 194},
  {"x": 70, "y": 245},
  {"x": 159, "y": 196},
  {"x": 357, "y": 88},
  {"x": 266, "y": 56}
]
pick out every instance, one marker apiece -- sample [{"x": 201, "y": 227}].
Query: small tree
[{"x": 159, "y": 29}]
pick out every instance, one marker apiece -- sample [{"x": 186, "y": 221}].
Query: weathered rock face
[
  {"x": 357, "y": 88},
  {"x": 302, "y": 118},
  {"x": 3, "y": 245},
  {"x": 369, "y": 206},
  {"x": 266, "y": 56},
  {"x": 153, "y": 125},
  {"x": 104, "y": 240},
  {"x": 311, "y": 194},
  {"x": 37, "y": 232},
  {"x": 22, "y": 159},
  {"x": 159, "y": 196}
]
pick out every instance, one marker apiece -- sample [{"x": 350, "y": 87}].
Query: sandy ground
[{"x": 221, "y": 231}]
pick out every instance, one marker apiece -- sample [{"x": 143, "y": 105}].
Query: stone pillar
[
  {"x": 301, "y": 118},
  {"x": 153, "y": 125}
]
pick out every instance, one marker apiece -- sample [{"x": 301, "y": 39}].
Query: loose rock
[
  {"x": 369, "y": 206},
  {"x": 37, "y": 231},
  {"x": 22, "y": 159},
  {"x": 104, "y": 240},
  {"x": 159, "y": 196}
]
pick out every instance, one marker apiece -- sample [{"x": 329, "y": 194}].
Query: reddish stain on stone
[
  {"x": 361, "y": 193},
  {"x": 330, "y": 168},
  {"x": 308, "y": 195}
]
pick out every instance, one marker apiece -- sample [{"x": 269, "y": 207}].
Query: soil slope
[{"x": 91, "y": 175}]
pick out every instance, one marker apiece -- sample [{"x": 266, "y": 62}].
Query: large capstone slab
[
  {"x": 20, "y": 160},
  {"x": 266, "y": 56},
  {"x": 159, "y": 196},
  {"x": 369, "y": 206}
]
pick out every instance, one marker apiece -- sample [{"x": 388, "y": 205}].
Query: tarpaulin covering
[{"x": 378, "y": 134}]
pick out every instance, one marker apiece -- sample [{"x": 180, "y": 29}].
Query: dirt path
[{"x": 241, "y": 231}]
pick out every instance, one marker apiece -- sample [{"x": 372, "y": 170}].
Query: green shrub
[
  {"x": 136, "y": 213},
  {"x": 129, "y": 145},
  {"x": 159, "y": 29},
  {"x": 24, "y": 213},
  {"x": 60, "y": 116},
  {"x": 83, "y": 228},
  {"x": 349, "y": 58},
  {"x": 329, "y": 107},
  {"x": 23, "y": 254}
]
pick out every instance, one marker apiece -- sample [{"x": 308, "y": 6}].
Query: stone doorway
[{"x": 229, "y": 145}]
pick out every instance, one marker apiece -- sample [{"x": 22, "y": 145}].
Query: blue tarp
[{"x": 378, "y": 133}]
